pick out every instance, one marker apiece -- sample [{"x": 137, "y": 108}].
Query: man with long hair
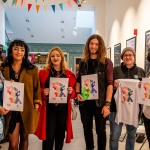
[{"x": 95, "y": 62}]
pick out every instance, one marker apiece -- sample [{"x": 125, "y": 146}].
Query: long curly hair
[
  {"x": 148, "y": 55},
  {"x": 9, "y": 59},
  {"x": 101, "y": 53},
  {"x": 49, "y": 64}
]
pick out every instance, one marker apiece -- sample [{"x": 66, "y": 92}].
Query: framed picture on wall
[
  {"x": 76, "y": 63},
  {"x": 66, "y": 57},
  {"x": 147, "y": 49},
  {"x": 117, "y": 54},
  {"x": 131, "y": 42},
  {"x": 108, "y": 55}
]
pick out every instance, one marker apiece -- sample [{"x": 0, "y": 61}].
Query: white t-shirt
[{"x": 127, "y": 102}]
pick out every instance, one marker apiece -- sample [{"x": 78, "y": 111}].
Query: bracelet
[
  {"x": 78, "y": 93},
  {"x": 107, "y": 103}
]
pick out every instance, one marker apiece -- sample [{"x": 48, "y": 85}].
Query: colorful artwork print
[
  {"x": 58, "y": 90},
  {"x": 89, "y": 87},
  {"x": 13, "y": 95},
  {"x": 144, "y": 94},
  {"x": 127, "y": 93}
]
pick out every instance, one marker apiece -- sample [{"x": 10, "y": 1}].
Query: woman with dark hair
[
  {"x": 146, "y": 109},
  {"x": 18, "y": 68}
]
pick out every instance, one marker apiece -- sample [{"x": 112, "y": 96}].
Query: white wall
[
  {"x": 2, "y": 25},
  {"x": 122, "y": 17}
]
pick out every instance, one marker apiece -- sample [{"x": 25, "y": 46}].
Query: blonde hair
[
  {"x": 101, "y": 52},
  {"x": 49, "y": 64}
]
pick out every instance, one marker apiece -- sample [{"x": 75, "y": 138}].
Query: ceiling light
[
  {"x": 28, "y": 28},
  {"x": 32, "y": 35},
  {"x": 62, "y": 21},
  {"x": 27, "y": 20},
  {"x": 62, "y": 36}
]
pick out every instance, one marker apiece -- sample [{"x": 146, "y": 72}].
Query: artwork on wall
[
  {"x": 76, "y": 63},
  {"x": 147, "y": 49},
  {"x": 66, "y": 57},
  {"x": 108, "y": 55},
  {"x": 131, "y": 42},
  {"x": 117, "y": 54}
]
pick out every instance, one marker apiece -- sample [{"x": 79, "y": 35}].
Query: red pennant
[
  {"x": 29, "y": 6},
  {"x": 75, "y": 1}
]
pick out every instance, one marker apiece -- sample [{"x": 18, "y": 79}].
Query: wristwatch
[{"x": 107, "y": 103}]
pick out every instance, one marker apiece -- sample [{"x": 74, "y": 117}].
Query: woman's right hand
[
  {"x": 46, "y": 91},
  {"x": 79, "y": 98},
  {"x": 116, "y": 83},
  {"x": 3, "y": 111}
]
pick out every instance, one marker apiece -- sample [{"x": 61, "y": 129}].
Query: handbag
[{"x": 73, "y": 111}]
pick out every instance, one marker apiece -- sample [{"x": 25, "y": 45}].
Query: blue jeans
[{"x": 115, "y": 132}]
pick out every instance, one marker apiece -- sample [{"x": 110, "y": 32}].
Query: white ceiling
[{"x": 47, "y": 26}]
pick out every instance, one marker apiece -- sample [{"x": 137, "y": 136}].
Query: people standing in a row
[
  {"x": 95, "y": 62},
  {"x": 127, "y": 70},
  {"x": 18, "y": 68},
  {"x": 57, "y": 118},
  {"x": 146, "y": 110}
]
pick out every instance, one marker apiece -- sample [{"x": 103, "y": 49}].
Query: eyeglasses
[{"x": 128, "y": 56}]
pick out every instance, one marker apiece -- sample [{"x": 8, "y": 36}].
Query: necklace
[{"x": 17, "y": 74}]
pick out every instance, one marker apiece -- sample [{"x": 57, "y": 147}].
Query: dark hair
[
  {"x": 25, "y": 62},
  {"x": 101, "y": 52},
  {"x": 148, "y": 55}
]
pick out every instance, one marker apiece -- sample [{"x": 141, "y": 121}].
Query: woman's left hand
[
  {"x": 105, "y": 111},
  {"x": 37, "y": 106},
  {"x": 70, "y": 89}
]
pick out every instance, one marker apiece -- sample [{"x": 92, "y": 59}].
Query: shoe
[
  {"x": 4, "y": 140},
  {"x": 140, "y": 138}
]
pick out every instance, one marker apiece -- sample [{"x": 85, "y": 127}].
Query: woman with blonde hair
[{"x": 55, "y": 117}]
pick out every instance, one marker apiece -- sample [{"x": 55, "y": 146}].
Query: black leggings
[
  {"x": 55, "y": 126},
  {"x": 88, "y": 110},
  {"x": 147, "y": 128}
]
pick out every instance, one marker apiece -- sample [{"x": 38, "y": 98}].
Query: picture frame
[
  {"x": 131, "y": 42},
  {"x": 108, "y": 54},
  {"x": 66, "y": 57},
  {"x": 76, "y": 63},
  {"x": 117, "y": 54},
  {"x": 147, "y": 49}
]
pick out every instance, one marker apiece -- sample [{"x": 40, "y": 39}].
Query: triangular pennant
[
  {"x": 45, "y": 8},
  {"x": 78, "y": 1},
  {"x": 53, "y": 7},
  {"x": 75, "y": 1},
  {"x": 16, "y": 1},
  {"x": 69, "y": 3},
  {"x": 4, "y": 1},
  {"x": 61, "y": 6},
  {"x": 36, "y": 1},
  {"x": 13, "y": 2},
  {"x": 37, "y": 8},
  {"x": 29, "y": 6},
  {"x": 22, "y": 1}
]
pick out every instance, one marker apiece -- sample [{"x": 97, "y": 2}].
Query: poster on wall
[
  {"x": 147, "y": 49},
  {"x": 117, "y": 54},
  {"x": 131, "y": 43},
  {"x": 108, "y": 53}
]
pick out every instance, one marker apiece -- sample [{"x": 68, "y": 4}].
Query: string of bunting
[{"x": 37, "y": 7}]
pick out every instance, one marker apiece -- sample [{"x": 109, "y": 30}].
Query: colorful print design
[
  {"x": 59, "y": 88},
  {"x": 88, "y": 88},
  {"x": 146, "y": 87},
  {"x": 127, "y": 92},
  {"x": 14, "y": 94}
]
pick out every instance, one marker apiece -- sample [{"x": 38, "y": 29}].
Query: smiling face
[
  {"x": 55, "y": 58},
  {"x": 93, "y": 46},
  {"x": 128, "y": 58},
  {"x": 18, "y": 53}
]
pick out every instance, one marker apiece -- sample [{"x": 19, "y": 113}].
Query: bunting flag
[
  {"x": 29, "y": 6},
  {"x": 69, "y": 3},
  {"x": 13, "y": 2},
  {"x": 37, "y": 8},
  {"x": 22, "y": 2},
  {"x": 36, "y": 1},
  {"x": 78, "y": 1},
  {"x": 61, "y": 6},
  {"x": 45, "y": 8},
  {"x": 16, "y": 1},
  {"x": 75, "y": 1},
  {"x": 53, "y": 7},
  {"x": 4, "y": 1}
]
